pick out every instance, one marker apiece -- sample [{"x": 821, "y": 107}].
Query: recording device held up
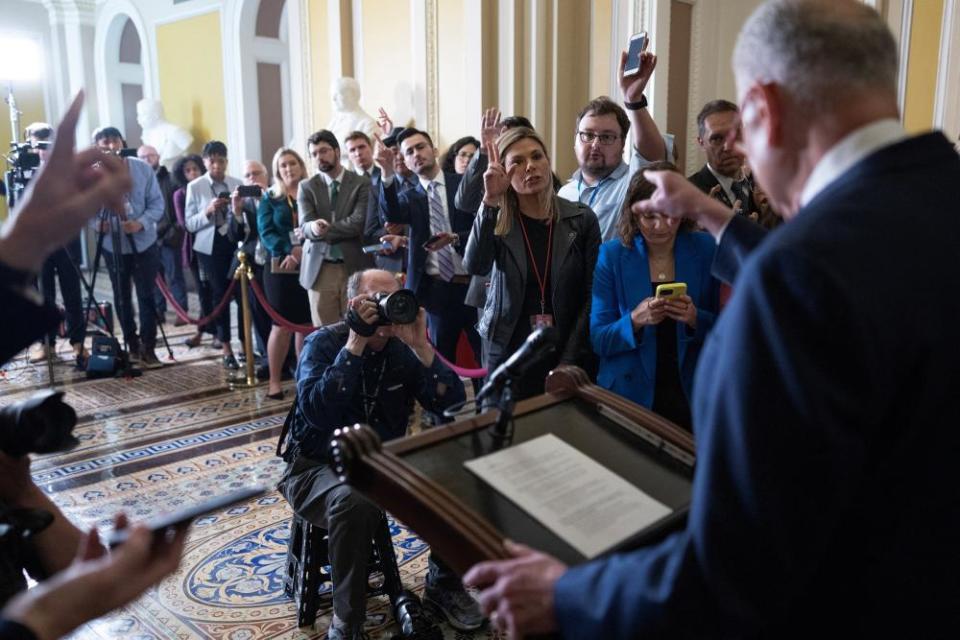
[
  {"x": 399, "y": 307},
  {"x": 249, "y": 191}
]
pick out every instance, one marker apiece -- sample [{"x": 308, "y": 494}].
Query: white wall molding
[
  {"x": 946, "y": 113},
  {"x": 301, "y": 98},
  {"x": 507, "y": 58},
  {"x": 420, "y": 54},
  {"x": 111, "y": 72},
  {"x": 703, "y": 14},
  {"x": 906, "y": 20}
]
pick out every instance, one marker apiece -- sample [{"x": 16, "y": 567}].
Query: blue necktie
[{"x": 438, "y": 223}]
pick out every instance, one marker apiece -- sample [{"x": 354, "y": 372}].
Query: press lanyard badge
[
  {"x": 542, "y": 319},
  {"x": 294, "y": 238}
]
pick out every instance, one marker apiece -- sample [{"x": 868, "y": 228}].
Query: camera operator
[
  {"x": 65, "y": 193},
  {"x": 344, "y": 378},
  {"x": 60, "y": 264},
  {"x": 137, "y": 220}
]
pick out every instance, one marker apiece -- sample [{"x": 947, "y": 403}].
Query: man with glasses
[
  {"x": 722, "y": 177},
  {"x": 602, "y": 179}
]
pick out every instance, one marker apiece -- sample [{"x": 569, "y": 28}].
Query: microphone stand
[{"x": 502, "y": 434}]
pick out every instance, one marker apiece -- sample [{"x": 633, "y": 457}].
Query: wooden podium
[{"x": 422, "y": 480}]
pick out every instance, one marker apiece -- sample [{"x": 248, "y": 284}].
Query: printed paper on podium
[{"x": 584, "y": 503}]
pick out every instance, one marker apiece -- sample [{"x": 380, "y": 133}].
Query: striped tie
[{"x": 438, "y": 223}]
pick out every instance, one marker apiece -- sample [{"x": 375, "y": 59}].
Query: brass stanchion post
[{"x": 243, "y": 275}]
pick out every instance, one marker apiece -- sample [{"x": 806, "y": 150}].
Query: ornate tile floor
[{"x": 172, "y": 438}]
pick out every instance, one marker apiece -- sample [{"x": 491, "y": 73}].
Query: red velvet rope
[
  {"x": 182, "y": 314},
  {"x": 278, "y": 319}
]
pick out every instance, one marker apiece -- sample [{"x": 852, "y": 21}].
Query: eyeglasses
[{"x": 587, "y": 137}]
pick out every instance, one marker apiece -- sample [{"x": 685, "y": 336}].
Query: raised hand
[
  {"x": 383, "y": 156},
  {"x": 490, "y": 127},
  {"x": 496, "y": 179},
  {"x": 632, "y": 86},
  {"x": 384, "y": 121}
]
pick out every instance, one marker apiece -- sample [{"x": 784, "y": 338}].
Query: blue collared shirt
[
  {"x": 336, "y": 388},
  {"x": 146, "y": 206},
  {"x": 607, "y": 196}
]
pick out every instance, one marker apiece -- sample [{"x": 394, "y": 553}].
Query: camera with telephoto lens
[
  {"x": 43, "y": 423},
  {"x": 399, "y": 307}
]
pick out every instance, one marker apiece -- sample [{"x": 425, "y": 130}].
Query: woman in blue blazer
[{"x": 648, "y": 347}]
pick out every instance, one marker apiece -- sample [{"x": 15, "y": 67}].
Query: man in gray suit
[{"x": 333, "y": 207}]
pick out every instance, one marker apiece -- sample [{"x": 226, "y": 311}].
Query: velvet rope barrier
[
  {"x": 182, "y": 314},
  {"x": 278, "y": 319},
  {"x": 306, "y": 329}
]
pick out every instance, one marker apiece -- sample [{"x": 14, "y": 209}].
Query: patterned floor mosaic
[{"x": 171, "y": 438}]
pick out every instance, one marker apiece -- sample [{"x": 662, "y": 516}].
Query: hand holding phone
[
  {"x": 179, "y": 519},
  {"x": 638, "y": 42},
  {"x": 249, "y": 191},
  {"x": 671, "y": 290}
]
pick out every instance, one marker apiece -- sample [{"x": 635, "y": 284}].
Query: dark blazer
[
  {"x": 346, "y": 223},
  {"x": 576, "y": 241},
  {"x": 628, "y": 360},
  {"x": 25, "y": 320},
  {"x": 826, "y": 418},
  {"x": 705, "y": 181},
  {"x": 412, "y": 208}
]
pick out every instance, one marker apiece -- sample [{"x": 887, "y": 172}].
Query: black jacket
[{"x": 576, "y": 243}]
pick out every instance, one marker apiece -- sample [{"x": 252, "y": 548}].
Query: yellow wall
[
  {"x": 922, "y": 65},
  {"x": 452, "y": 74},
  {"x": 29, "y": 97},
  {"x": 601, "y": 35},
  {"x": 386, "y": 53},
  {"x": 319, "y": 52},
  {"x": 190, "y": 64}
]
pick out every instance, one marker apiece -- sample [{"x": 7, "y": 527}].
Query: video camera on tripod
[{"x": 22, "y": 164}]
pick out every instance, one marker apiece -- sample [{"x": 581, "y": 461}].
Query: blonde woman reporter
[
  {"x": 540, "y": 251},
  {"x": 278, "y": 223}
]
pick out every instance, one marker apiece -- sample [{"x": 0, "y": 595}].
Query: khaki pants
[{"x": 328, "y": 296}]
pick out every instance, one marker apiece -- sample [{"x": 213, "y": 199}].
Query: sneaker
[
  {"x": 134, "y": 351},
  {"x": 229, "y": 362},
  {"x": 338, "y": 630},
  {"x": 149, "y": 359},
  {"x": 457, "y": 606}
]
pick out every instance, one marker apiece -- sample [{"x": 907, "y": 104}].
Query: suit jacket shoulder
[{"x": 703, "y": 179}]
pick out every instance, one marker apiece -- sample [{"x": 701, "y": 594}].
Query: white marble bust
[
  {"x": 168, "y": 139},
  {"x": 347, "y": 114}
]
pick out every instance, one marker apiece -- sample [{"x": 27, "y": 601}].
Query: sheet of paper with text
[{"x": 584, "y": 503}]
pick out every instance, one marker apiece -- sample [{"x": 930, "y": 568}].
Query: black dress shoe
[
  {"x": 263, "y": 372},
  {"x": 276, "y": 396},
  {"x": 229, "y": 362}
]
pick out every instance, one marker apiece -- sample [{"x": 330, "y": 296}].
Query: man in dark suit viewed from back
[{"x": 825, "y": 404}]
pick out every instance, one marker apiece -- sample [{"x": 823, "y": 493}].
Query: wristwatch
[{"x": 636, "y": 106}]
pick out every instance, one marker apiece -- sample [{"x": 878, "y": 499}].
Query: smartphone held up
[{"x": 636, "y": 46}]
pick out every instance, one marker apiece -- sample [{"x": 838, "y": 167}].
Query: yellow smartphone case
[{"x": 671, "y": 290}]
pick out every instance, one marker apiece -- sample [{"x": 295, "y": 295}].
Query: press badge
[{"x": 541, "y": 320}]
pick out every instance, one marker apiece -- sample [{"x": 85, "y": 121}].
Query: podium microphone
[{"x": 540, "y": 343}]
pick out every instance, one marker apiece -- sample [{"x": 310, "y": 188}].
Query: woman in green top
[{"x": 279, "y": 229}]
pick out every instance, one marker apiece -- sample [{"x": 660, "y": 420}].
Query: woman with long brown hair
[
  {"x": 540, "y": 251},
  {"x": 649, "y": 345}
]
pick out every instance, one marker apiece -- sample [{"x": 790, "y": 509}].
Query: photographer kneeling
[{"x": 343, "y": 378}]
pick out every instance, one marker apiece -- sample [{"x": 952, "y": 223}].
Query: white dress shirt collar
[
  {"x": 329, "y": 181},
  {"x": 425, "y": 182},
  {"x": 850, "y": 150}
]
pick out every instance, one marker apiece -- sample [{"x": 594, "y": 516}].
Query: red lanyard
[{"x": 533, "y": 259}]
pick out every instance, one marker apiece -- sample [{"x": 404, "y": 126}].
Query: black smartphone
[
  {"x": 637, "y": 43},
  {"x": 224, "y": 195},
  {"x": 127, "y": 153},
  {"x": 249, "y": 191},
  {"x": 433, "y": 239},
  {"x": 159, "y": 524}
]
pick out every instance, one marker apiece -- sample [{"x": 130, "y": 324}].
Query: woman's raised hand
[{"x": 496, "y": 179}]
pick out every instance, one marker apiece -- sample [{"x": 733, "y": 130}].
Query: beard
[{"x": 326, "y": 167}]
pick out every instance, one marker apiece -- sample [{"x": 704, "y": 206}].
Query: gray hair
[
  {"x": 818, "y": 51},
  {"x": 354, "y": 282}
]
